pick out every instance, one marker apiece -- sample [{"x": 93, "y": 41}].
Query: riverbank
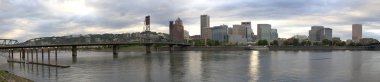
[{"x": 5, "y": 76}]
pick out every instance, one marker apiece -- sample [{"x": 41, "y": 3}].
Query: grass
[{"x": 5, "y": 76}]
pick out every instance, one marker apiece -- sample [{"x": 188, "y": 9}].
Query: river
[{"x": 206, "y": 66}]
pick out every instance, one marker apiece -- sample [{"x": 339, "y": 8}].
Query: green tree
[
  {"x": 341, "y": 43},
  {"x": 305, "y": 43},
  {"x": 316, "y": 43},
  {"x": 262, "y": 42},
  {"x": 274, "y": 43},
  {"x": 335, "y": 42},
  {"x": 326, "y": 42},
  {"x": 295, "y": 42}
]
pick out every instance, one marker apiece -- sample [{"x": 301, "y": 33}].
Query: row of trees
[
  {"x": 288, "y": 42},
  {"x": 212, "y": 43},
  {"x": 297, "y": 42}
]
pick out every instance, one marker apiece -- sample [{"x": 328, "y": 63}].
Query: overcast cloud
[{"x": 27, "y": 19}]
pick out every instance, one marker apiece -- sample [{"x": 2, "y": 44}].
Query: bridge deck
[{"x": 91, "y": 44}]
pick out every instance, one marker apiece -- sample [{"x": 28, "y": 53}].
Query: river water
[{"x": 206, "y": 66}]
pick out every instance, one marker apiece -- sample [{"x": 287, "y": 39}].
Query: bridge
[
  {"x": 29, "y": 50},
  {"x": 4, "y": 42}
]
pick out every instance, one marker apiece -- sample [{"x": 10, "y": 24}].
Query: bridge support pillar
[
  {"x": 48, "y": 50},
  {"x": 23, "y": 53},
  {"x": 9, "y": 55},
  {"x": 115, "y": 49},
  {"x": 12, "y": 54},
  {"x": 74, "y": 51},
  {"x": 42, "y": 55},
  {"x": 171, "y": 48},
  {"x": 148, "y": 48}
]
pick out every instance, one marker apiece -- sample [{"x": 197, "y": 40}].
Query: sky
[{"x": 27, "y": 19}]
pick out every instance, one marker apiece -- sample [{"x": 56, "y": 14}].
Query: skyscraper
[
  {"x": 264, "y": 31},
  {"x": 274, "y": 34},
  {"x": 328, "y": 33},
  {"x": 171, "y": 30},
  {"x": 220, "y": 33},
  {"x": 176, "y": 30},
  {"x": 238, "y": 30},
  {"x": 356, "y": 32},
  {"x": 208, "y": 33},
  {"x": 316, "y": 33},
  {"x": 319, "y": 33},
  {"x": 248, "y": 30},
  {"x": 205, "y": 23}
]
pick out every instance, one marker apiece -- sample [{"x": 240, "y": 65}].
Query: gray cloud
[{"x": 43, "y": 18}]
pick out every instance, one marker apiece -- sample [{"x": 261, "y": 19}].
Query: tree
[
  {"x": 326, "y": 42},
  {"x": 305, "y": 43},
  {"x": 336, "y": 42},
  {"x": 274, "y": 43},
  {"x": 341, "y": 43},
  {"x": 295, "y": 42},
  {"x": 262, "y": 42},
  {"x": 316, "y": 43}
]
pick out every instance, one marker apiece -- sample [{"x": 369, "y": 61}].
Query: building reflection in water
[
  {"x": 177, "y": 67},
  {"x": 226, "y": 66},
  {"x": 156, "y": 67},
  {"x": 264, "y": 67},
  {"x": 356, "y": 66},
  {"x": 320, "y": 67}
]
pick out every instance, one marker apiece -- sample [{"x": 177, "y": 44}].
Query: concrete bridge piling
[
  {"x": 148, "y": 48},
  {"x": 171, "y": 48},
  {"x": 74, "y": 51},
  {"x": 115, "y": 49},
  {"x": 42, "y": 55}
]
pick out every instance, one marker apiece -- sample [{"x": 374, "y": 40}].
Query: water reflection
[
  {"x": 265, "y": 72},
  {"x": 320, "y": 67},
  {"x": 115, "y": 57},
  {"x": 356, "y": 66},
  {"x": 254, "y": 65},
  {"x": 177, "y": 68},
  {"x": 34, "y": 71},
  {"x": 74, "y": 59},
  {"x": 208, "y": 66}
]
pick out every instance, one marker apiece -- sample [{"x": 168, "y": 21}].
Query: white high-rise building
[{"x": 264, "y": 31}]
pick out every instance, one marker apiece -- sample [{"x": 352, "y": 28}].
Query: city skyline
[{"x": 24, "y": 20}]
